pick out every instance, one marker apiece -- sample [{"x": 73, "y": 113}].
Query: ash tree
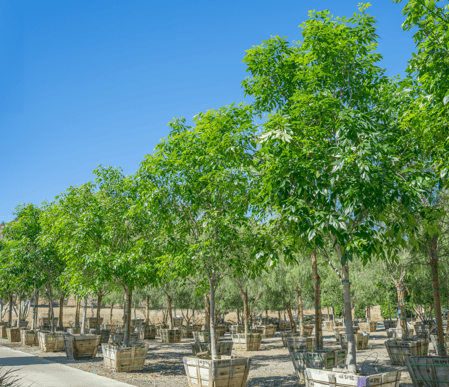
[{"x": 330, "y": 151}]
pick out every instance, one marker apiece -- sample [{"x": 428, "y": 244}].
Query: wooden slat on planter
[
  {"x": 284, "y": 336},
  {"x": 117, "y": 338},
  {"x": 13, "y": 335},
  {"x": 3, "y": 334},
  {"x": 247, "y": 342},
  {"x": 203, "y": 337},
  {"x": 170, "y": 335},
  {"x": 29, "y": 337},
  {"x": 146, "y": 332},
  {"x": 323, "y": 378},
  {"x": 81, "y": 347},
  {"x": 234, "y": 329},
  {"x": 428, "y": 371},
  {"x": 361, "y": 341},
  {"x": 223, "y": 348},
  {"x": 400, "y": 350},
  {"x": 295, "y": 344},
  {"x": 51, "y": 342},
  {"x": 103, "y": 333},
  {"x": 214, "y": 373},
  {"x": 390, "y": 324},
  {"x": 111, "y": 327},
  {"x": 124, "y": 359},
  {"x": 371, "y": 327},
  {"x": 92, "y": 320}
]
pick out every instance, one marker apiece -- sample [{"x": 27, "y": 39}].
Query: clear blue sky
[{"x": 88, "y": 82}]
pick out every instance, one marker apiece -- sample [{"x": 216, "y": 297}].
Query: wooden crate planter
[
  {"x": 321, "y": 359},
  {"x": 91, "y": 322},
  {"x": 159, "y": 328},
  {"x": 361, "y": 341},
  {"x": 170, "y": 335},
  {"x": 81, "y": 347},
  {"x": 284, "y": 336},
  {"x": 74, "y": 331},
  {"x": 103, "y": 333},
  {"x": 223, "y": 348},
  {"x": 197, "y": 327},
  {"x": 434, "y": 341},
  {"x": 307, "y": 330},
  {"x": 51, "y": 342},
  {"x": 146, "y": 332},
  {"x": 13, "y": 335},
  {"x": 29, "y": 337},
  {"x": 47, "y": 320},
  {"x": 187, "y": 332},
  {"x": 341, "y": 330},
  {"x": 217, "y": 373},
  {"x": 368, "y": 327},
  {"x": 220, "y": 330},
  {"x": 135, "y": 322},
  {"x": 117, "y": 338},
  {"x": 177, "y": 322},
  {"x": 423, "y": 331},
  {"x": 295, "y": 344},
  {"x": 3, "y": 333},
  {"x": 111, "y": 327},
  {"x": 203, "y": 337},
  {"x": 23, "y": 324},
  {"x": 390, "y": 324},
  {"x": 247, "y": 342},
  {"x": 124, "y": 359},
  {"x": 396, "y": 333},
  {"x": 400, "y": 350},
  {"x": 234, "y": 329},
  {"x": 324, "y": 378},
  {"x": 268, "y": 331},
  {"x": 428, "y": 371},
  {"x": 283, "y": 325}
]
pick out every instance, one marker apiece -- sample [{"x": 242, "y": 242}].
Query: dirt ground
[{"x": 270, "y": 367}]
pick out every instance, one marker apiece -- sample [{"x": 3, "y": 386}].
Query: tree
[
  {"x": 198, "y": 184},
  {"x": 329, "y": 152}
]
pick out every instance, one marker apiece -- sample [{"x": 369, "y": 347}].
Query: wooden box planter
[
  {"x": 23, "y": 324},
  {"x": 3, "y": 334},
  {"x": 81, "y": 347},
  {"x": 91, "y": 322},
  {"x": 187, "y": 332},
  {"x": 29, "y": 337},
  {"x": 341, "y": 330},
  {"x": 320, "y": 360},
  {"x": 170, "y": 335},
  {"x": 203, "y": 337},
  {"x": 223, "y": 348},
  {"x": 111, "y": 327},
  {"x": 13, "y": 335},
  {"x": 146, "y": 332},
  {"x": 284, "y": 336},
  {"x": 74, "y": 331},
  {"x": 400, "y": 350},
  {"x": 51, "y": 342},
  {"x": 323, "y": 378},
  {"x": 283, "y": 325},
  {"x": 220, "y": 330},
  {"x": 117, "y": 338},
  {"x": 390, "y": 324},
  {"x": 247, "y": 342},
  {"x": 47, "y": 320},
  {"x": 103, "y": 333},
  {"x": 217, "y": 373},
  {"x": 396, "y": 333},
  {"x": 423, "y": 331},
  {"x": 267, "y": 331},
  {"x": 135, "y": 322},
  {"x": 234, "y": 329},
  {"x": 434, "y": 341},
  {"x": 177, "y": 322},
  {"x": 361, "y": 341},
  {"x": 124, "y": 359},
  {"x": 428, "y": 371},
  {"x": 159, "y": 328},
  {"x": 197, "y": 327},
  {"x": 308, "y": 329},
  {"x": 329, "y": 325},
  {"x": 368, "y": 327},
  {"x": 295, "y": 344}
]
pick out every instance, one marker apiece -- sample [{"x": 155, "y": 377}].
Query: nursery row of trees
[{"x": 332, "y": 168}]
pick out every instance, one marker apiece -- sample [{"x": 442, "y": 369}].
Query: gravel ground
[{"x": 270, "y": 367}]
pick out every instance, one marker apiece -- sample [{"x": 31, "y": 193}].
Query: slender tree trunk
[
  {"x": 128, "y": 308},
  {"x": 213, "y": 348},
  {"x": 170, "y": 311},
  {"x": 244, "y": 294},
  {"x": 401, "y": 305},
  {"x": 124, "y": 309},
  {"x": 318, "y": 314},
  {"x": 300, "y": 310},
  {"x": 83, "y": 322},
  {"x": 290, "y": 317},
  {"x": 207, "y": 311},
  {"x": 436, "y": 294},
  {"x": 111, "y": 310},
  {"x": 147, "y": 309},
  {"x": 19, "y": 309},
  {"x": 10, "y": 311},
  {"x": 99, "y": 299},
  {"x": 77, "y": 312},
  {"x": 333, "y": 314},
  {"x": 49, "y": 310},
  {"x": 389, "y": 308},
  {"x": 61, "y": 312},
  {"x": 351, "y": 360},
  {"x": 238, "y": 316},
  {"x": 35, "y": 309},
  {"x": 52, "y": 316}
]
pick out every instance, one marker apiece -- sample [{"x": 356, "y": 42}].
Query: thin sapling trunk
[{"x": 318, "y": 314}]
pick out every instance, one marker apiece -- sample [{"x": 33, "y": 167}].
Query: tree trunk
[
  {"x": 244, "y": 294},
  {"x": 318, "y": 315},
  {"x": 401, "y": 305},
  {"x": 99, "y": 299},
  {"x": 35, "y": 309},
  {"x": 147, "y": 310},
  {"x": 351, "y": 360},
  {"x": 52, "y": 316},
  {"x": 238, "y": 316},
  {"x": 333, "y": 314},
  {"x": 213, "y": 348},
  {"x": 207, "y": 311},
  {"x": 300, "y": 310},
  {"x": 436, "y": 294},
  {"x": 124, "y": 308},
  {"x": 290, "y": 316},
  {"x": 83, "y": 322},
  {"x": 77, "y": 312},
  {"x": 111, "y": 310},
  {"x": 10, "y": 311},
  {"x": 19, "y": 309},
  {"x": 389, "y": 308},
  {"x": 128, "y": 307},
  {"x": 170, "y": 311},
  {"x": 61, "y": 312}
]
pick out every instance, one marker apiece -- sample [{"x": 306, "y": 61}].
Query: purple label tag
[{"x": 361, "y": 382}]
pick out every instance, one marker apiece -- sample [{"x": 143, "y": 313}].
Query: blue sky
[{"x": 96, "y": 82}]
